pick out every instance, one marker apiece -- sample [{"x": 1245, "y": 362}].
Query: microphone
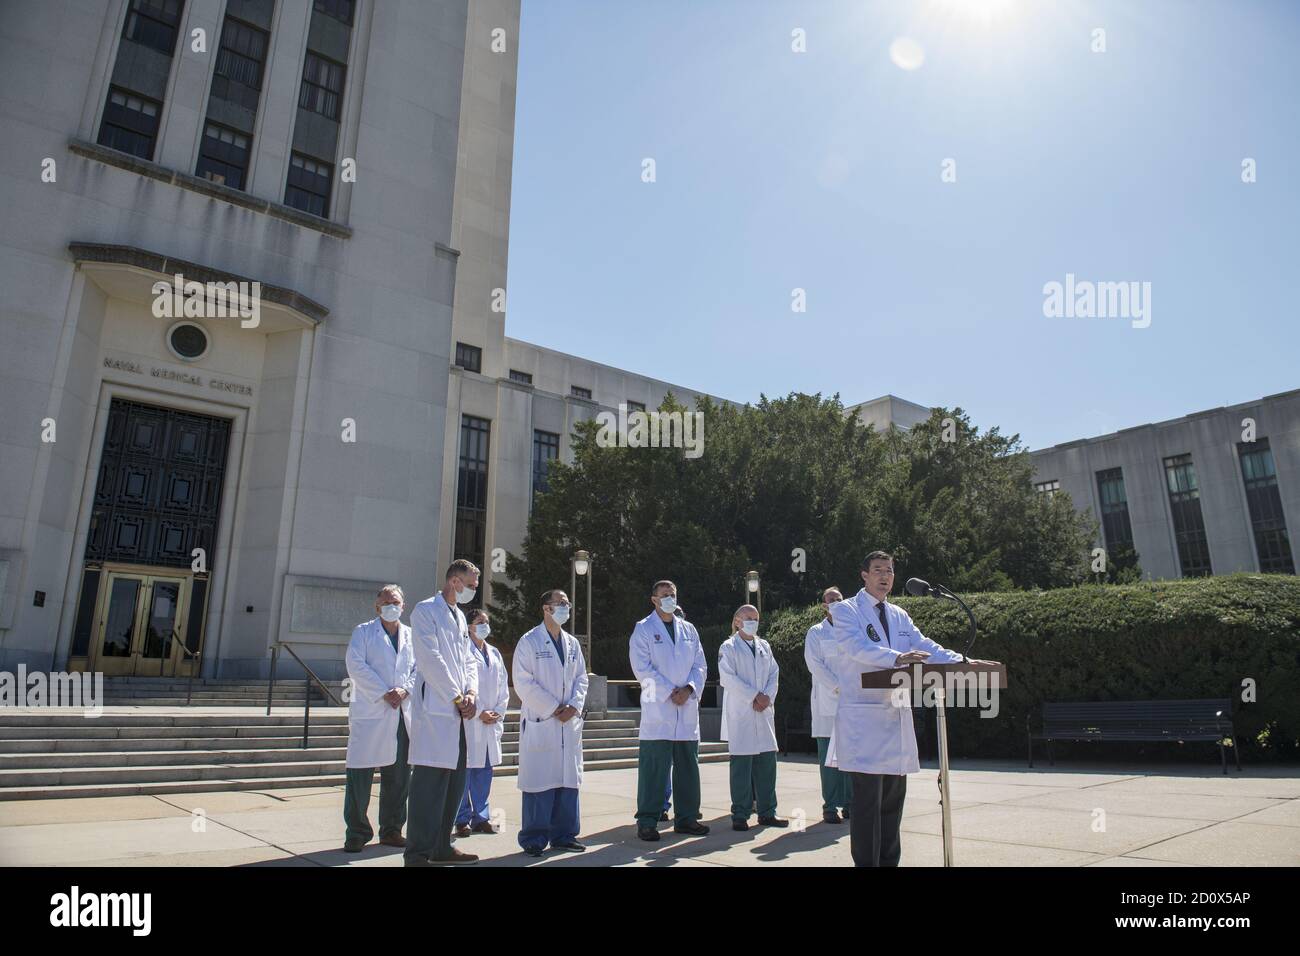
[{"x": 918, "y": 588}]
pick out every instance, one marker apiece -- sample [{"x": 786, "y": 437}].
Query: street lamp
[
  {"x": 752, "y": 586},
  {"x": 580, "y": 566}
]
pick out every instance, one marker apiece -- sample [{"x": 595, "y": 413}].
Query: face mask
[
  {"x": 482, "y": 631},
  {"x": 560, "y": 613},
  {"x": 390, "y": 612},
  {"x": 465, "y": 595},
  {"x": 668, "y": 604},
  {"x": 750, "y": 627}
]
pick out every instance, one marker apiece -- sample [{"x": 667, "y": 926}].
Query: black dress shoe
[
  {"x": 845, "y": 811},
  {"x": 772, "y": 822},
  {"x": 740, "y": 825},
  {"x": 533, "y": 850},
  {"x": 354, "y": 846},
  {"x": 647, "y": 833},
  {"x": 569, "y": 846},
  {"x": 830, "y": 816},
  {"x": 693, "y": 827}
]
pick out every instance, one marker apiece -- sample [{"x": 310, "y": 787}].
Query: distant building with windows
[{"x": 1209, "y": 493}]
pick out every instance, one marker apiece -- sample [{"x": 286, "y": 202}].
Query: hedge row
[{"x": 1170, "y": 640}]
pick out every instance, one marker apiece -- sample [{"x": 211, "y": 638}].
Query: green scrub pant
[
  {"x": 837, "y": 786},
  {"x": 394, "y": 784},
  {"x": 656, "y": 759},
  {"x": 753, "y": 780}
]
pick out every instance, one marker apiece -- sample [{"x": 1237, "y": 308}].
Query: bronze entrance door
[{"x": 153, "y": 528}]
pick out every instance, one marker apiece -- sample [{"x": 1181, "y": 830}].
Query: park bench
[{"x": 1139, "y": 721}]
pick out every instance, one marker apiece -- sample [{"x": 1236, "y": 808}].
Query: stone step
[
  {"x": 208, "y": 766},
  {"x": 333, "y": 779},
  {"x": 174, "y": 752},
  {"x": 69, "y": 724}
]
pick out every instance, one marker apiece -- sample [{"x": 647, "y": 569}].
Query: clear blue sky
[{"x": 821, "y": 170}]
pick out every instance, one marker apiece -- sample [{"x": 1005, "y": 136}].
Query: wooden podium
[{"x": 993, "y": 675}]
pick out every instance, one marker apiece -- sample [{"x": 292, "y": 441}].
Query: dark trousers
[
  {"x": 836, "y": 791},
  {"x": 394, "y": 785},
  {"x": 660, "y": 762},
  {"x": 876, "y": 819},
  {"x": 435, "y": 797}
]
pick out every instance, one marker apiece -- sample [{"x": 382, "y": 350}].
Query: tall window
[
  {"x": 1267, "y": 520},
  {"x": 472, "y": 491},
  {"x": 1189, "y": 523},
  {"x": 340, "y": 10},
  {"x": 309, "y": 185},
  {"x": 546, "y": 449},
  {"x": 1115, "y": 522},
  {"x": 322, "y": 86},
  {"x": 140, "y": 75},
  {"x": 153, "y": 23},
  {"x": 240, "y": 61},
  {"x": 130, "y": 123},
  {"x": 223, "y": 156}
]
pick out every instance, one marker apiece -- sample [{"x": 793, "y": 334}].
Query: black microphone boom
[{"x": 919, "y": 588}]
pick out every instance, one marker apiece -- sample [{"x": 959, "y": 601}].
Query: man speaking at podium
[{"x": 874, "y": 741}]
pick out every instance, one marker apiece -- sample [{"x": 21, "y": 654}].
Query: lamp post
[
  {"x": 580, "y": 566},
  {"x": 752, "y": 586}
]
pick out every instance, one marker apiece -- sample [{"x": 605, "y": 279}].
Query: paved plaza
[{"x": 1003, "y": 814}]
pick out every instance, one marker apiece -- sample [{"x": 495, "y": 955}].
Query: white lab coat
[
  {"x": 872, "y": 735},
  {"x": 661, "y": 666},
  {"x": 375, "y": 669},
  {"x": 444, "y": 660},
  {"x": 744, "y": 675},
  {"x": 550, "y": 751},
  {"x": 819, "y": 655},
  {"x": 483, "y": 741}
]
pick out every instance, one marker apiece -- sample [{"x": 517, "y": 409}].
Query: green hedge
[{"x": 1168, "y": 640}]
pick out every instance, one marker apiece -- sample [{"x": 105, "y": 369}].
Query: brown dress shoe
[
  {"x": 458, "y": 856},
  {"x": 463, "y": 830},
  {"x": 393, "y": 839},
  {"x": 483, "y": 826}
]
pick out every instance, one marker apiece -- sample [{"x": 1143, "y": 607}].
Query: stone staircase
[{"x": 152, "y": 744}]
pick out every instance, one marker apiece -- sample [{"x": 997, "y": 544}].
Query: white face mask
[
  {"x": 560, "y": 613},
  {"x": 390, "y": 612},
  {"x": 750, "y": 627},
  {"x": 482, "y": 631},
  {"x": 668, "y": 604},
  {"x": 465, "y": 595}
]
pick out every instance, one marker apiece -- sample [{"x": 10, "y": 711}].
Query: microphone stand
[{"x": 943, "y": 592}]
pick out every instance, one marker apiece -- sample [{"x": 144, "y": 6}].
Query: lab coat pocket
[{"x": 543, "y": 735}]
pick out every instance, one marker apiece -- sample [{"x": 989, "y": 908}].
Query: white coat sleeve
[
  {"x": 369, "y": 685},
  {"x": 578, "y": 693},
  {"x": 852, "y": 642},
  {"x": 700, "y": 669},
  {"x": 535, "y": 697},
  {"x": 938, "y": 653},
  {"x": 428, "y": 659},
  {"x": 469, "y": 667},
  {"x": 644, "y": 670},
  {"x": 773, "y": 676},
  {"x": 814, "y": 655},
  {"x": 408, "y": 681},
  {"x": 730, "y": 680},
  {"x": 502, "y": 703}
]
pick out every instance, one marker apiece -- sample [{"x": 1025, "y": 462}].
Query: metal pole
[
  {"x": 590, "y": 570},
  {"x": 306, "y": 709},
  {"x": 940, "y": 711},
  {"x": 270, "y": 688}
]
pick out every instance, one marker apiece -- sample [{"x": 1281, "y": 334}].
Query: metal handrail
[
  {"x": 189, "y": 681},
  {"x": 311, "y": 676}
]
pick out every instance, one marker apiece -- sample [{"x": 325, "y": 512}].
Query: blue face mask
[
  {"x": 750, "y": 627},
  {"x": 560, "y": 613},
  {"x": 668, "y": 604}
]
